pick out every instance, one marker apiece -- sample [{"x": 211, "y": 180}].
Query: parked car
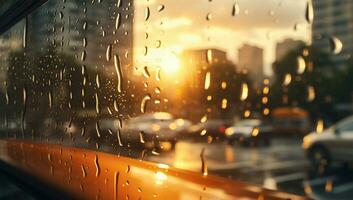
[
  {"x": 249, "y": 131},
  {"x": 148, "y": 130},
  {"x": 213, "y": 127},
  {"x": 335, "y": 144}
]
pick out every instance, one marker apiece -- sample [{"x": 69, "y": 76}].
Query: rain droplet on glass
[{"x": 335, "y": 45}]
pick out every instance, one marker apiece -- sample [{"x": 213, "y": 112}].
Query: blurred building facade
[
  {"x": 251, "y": 59},
  {"x": 333, "y": 18},
  {"x": 210, "y": 85},
  {"x": 284, "y": 47}
]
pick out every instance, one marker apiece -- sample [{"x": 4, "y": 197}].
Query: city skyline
[{"x": 202, "y": 25}]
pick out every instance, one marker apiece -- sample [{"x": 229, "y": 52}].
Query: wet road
[{"x": 280, "y": 166}]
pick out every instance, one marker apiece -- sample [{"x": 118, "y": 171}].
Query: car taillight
[{"x": 222, "y": 129}]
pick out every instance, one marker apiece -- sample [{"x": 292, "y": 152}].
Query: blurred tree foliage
[{"x": 329, "y": 84}]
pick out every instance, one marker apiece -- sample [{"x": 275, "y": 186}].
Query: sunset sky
[{"x": 183, "y": 24}]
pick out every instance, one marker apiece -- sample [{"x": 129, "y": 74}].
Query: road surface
[{"x": 280, "y": 166}]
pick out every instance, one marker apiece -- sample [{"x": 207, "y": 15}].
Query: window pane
[{"x": 235, "y": 88}]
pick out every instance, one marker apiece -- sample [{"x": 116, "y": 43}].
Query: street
[{"x": 281, "y": 166}]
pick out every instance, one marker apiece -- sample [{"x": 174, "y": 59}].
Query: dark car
[{"x": 214, "y": 128}]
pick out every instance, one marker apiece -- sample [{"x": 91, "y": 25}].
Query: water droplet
[
  {"x": 320, "y": 126},
  {"x": 84, "y": 26},
  {"x": 117, "y": 65},
  {"x": 84, "y": 173},
  {"x": 235, "y": 9},
  {"x": 224, "y": 103},
  {"x": 142, "y": 140},
  {"x": 50, "y": 97},
  {"x": 97, "y": 165},
  {"x": 301, "y": 65},
  {"x": 61, "y": 15},
  {"x": 24, "y": 95},
  {"x": 98, "y": 81},
  {"x": 24, "y": 43},
  {"x": 116, "y": 185},
  {"x": 207, "y": 80},
  {"x": 311, "y": 93},
  {"x": 147, "y": 13},
  {"x": 83, "y": 56},
  {"x": 203, "y": 119},
  {"x": 108, "y": 53},
  {"x": 244, "y": 92},
  {"x": 84, "y": 42},
  {"x": 146, "y": 73},
  {"x": 255, "y": 132},
  {"x": 209, "y": 56},
  {"x": 158, "y": 74},
  {"x": 119, "y": 138},
  {"x": 224, "y": 85},
  {"x": 335, "y": 45},
  {"x": 204, "y": 169},
  {"x": 146, "y": 51},
  {"x": 116, "y": 106},
  {"x": 157, "y": 90},
  {"x": 119, "y": 3},
  {"x": 158, "y": 44},
  {"x": 97, "y": 103},
  {"x": 160, "y": 8},
  {"x": 98, "y": 129},
  {"x": 144, "y": 103},
  {"x": 309, "y": 12},
  {"x": 117, "y": 21},
  {"x": 209, "y": 16},
  {"x": 287, "y": 79}
]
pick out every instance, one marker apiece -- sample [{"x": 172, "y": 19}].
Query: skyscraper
[
  {"x": 251, "y": 59},
  {"x": 333, "y": 18}
]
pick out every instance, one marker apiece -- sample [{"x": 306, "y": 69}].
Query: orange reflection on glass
[{"x": 160, "y": 178}]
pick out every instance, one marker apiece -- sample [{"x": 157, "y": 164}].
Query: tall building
[
  {"x": 333, "y": 18},
  {"x": 198, "y": 61},
  {"x": 75, "y": 27},
  {"x": 204, "y": 56},
  {"x": 251, "y": 59},
  {"x": 209, "y": 79},
  {"x": 284, "y": 47}
]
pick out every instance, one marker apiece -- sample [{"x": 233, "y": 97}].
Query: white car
[
  {"x": 154, "y": 128},
  {"x": 249, "y": 131},
  {"x": 334, "y": 144}
]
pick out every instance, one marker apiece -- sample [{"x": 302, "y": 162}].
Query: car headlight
[
  {"x": 229, "y": 131},
  {"x": 173, "y": 126},
  {"x": 307, "y": 141},
  {"x": 180, "y": 122}
]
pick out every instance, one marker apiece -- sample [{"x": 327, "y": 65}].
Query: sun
[
  {"x": 169, "y": 62},
  {"x": 166, "y": 60}
]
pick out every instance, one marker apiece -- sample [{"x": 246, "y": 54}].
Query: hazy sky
[{"x": 183, "y": 24}]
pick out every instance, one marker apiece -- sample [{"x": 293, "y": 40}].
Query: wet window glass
[{"x": 245, "y": 90}]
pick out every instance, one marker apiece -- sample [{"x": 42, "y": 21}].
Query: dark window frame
[{"x": 17, "y": 11}]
